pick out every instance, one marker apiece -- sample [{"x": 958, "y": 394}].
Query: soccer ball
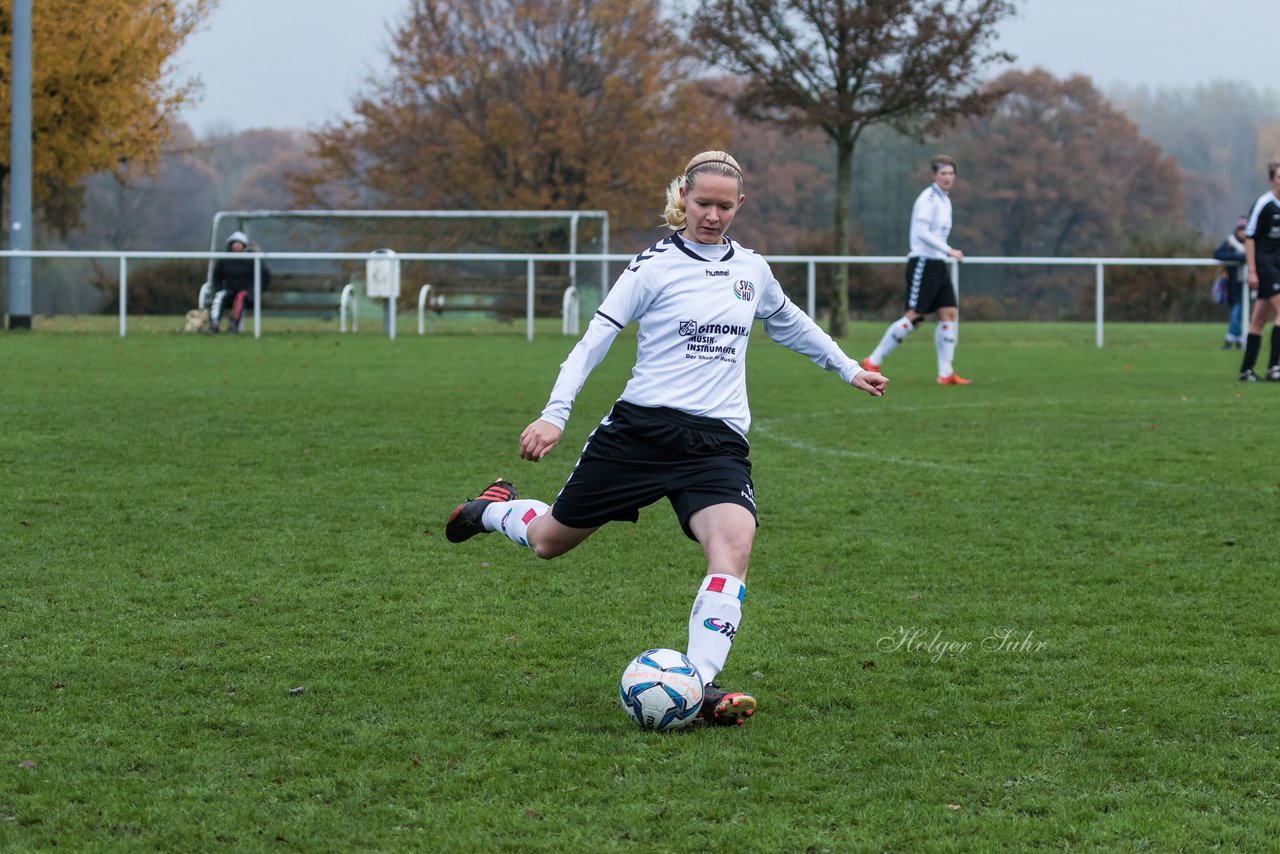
[{"x": 661, "y": 690}]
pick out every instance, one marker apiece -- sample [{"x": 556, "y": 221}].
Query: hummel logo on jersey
[
  {"x": 744, "y": 290},
  {"x": 717, "y": 272}
]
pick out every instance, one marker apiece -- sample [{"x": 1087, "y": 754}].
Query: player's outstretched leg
[
  {"x": 467, "y": 518},
  {"x": 726, "y": 708},
  {"x": 893, "y": 336}
]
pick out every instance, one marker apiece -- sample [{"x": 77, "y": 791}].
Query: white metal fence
[{"x": 530, "y": 261}]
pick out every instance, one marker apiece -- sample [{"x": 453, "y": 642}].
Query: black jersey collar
[{"x": 680, "y": 244}]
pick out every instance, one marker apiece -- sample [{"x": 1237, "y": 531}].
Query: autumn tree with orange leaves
[
  {"x": 522, "y": 104},
  {"x": 102, "y": 97}
]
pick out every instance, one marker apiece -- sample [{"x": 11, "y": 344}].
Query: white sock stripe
[{"x": 513, "y": 518}]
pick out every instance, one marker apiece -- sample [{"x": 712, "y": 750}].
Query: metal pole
[
  {"x": 954, "y": 269},
  {"x": 528, "y": 301},
  {"x": 573, "y": 250},
  {"x": 1245, "y": 308},
  {"x": 257, "y": 296},
  {"x": 213, "y": 244},
  {"x": 812, "y": 301},
  {"x": 124, "y": 292},
  {"x": 20, "y": 222},
  {"x": 604, "y": 265},
  {"x": 1097, "y": 300},
  {"x": 393, "y": 292}
]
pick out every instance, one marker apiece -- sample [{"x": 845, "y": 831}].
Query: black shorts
[
  {"x": 639, "y": 454},
  {"x": 929, "y": 285},
  {"x": 1268, "y": 279}
]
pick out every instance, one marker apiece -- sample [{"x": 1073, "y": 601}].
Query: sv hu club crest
[{"x": 744, "y": 290}]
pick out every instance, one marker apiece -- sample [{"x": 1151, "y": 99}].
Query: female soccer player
[
  {"x": 1262, "y": 253},
  {"x": 679, "y": 428}
]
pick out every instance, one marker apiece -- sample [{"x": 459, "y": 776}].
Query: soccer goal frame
[{"x": 243, "y": 218}]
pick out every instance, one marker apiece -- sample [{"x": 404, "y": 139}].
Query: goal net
[{"x": 579, "y": 233}]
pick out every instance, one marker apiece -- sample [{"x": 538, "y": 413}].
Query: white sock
[
  {"x": 215, "y": 307},
  {"x": 893, "y": 336},
  {"x": 513, "y": 517},
  {"x": 944, "y": 338},
  {"x": 717, "y": 610}
]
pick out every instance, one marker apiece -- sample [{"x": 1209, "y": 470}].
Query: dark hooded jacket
[{"x": 236, "y": 274}]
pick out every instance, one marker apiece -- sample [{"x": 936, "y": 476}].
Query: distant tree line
[{"x": 567, "y": 104}]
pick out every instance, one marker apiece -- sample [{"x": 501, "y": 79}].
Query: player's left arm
[
  {"x": 627, "y": 299},
  {"x": 795, "y": 330}
]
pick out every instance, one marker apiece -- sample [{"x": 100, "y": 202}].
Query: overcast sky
[{"x": 300, "y": 63}]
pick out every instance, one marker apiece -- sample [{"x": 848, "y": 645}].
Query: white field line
[{"x": 768, "y": 428}]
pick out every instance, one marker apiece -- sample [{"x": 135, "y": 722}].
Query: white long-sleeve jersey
[
  {"x": 695, "y": 306},
  {"x": 930, "y": 224}
]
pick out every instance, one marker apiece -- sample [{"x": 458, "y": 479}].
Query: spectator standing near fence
[
  {"x": 929, "y": 288},
  {"x": 678, "y": 431},
  {"x": 1262, "y": 253},
  {"x": 233, "y": 285},
  {"x": 1231, "y": 253}
]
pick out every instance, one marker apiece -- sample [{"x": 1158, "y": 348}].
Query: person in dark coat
[
  {"x": 1231, "y": 253},
  {"x": 233, "y": 285}
]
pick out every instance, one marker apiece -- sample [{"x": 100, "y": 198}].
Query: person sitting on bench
[{"x": 233, "y": 285}]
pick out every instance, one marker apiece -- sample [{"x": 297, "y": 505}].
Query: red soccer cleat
[
  {"x": 465, "y": 521},
  {"x": 720, "y": 708},
  {"x": 954, "y": 379}
]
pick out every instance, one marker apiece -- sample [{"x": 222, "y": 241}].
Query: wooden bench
[
  {"x": 324, "y": 304},
  {"x": 506, "y": 299},
  {"x": 293, "y": 294}
]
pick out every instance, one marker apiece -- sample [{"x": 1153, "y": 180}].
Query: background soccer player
[
  {"x": 1262, "y": 254},
  {"x": 929, "y": 287},
  {"x": 678, "y": 431}
]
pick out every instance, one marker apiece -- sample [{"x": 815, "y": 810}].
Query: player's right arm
[
  {"x": 1250, "y": 233},
  {"x": 625, "y": 301},
  {"x": 538, "y": 439},
  {"x": 926, "y": 214},
  {"x": 543, "y": 434}
]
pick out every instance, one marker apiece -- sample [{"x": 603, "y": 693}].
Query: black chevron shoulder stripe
[{"x": 656, "y": 249}]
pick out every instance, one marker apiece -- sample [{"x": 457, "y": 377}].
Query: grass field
[{"x": 1034, "y": 613}]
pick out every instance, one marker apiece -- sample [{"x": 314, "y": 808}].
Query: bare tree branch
[{"x": 845, "y": 65}]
